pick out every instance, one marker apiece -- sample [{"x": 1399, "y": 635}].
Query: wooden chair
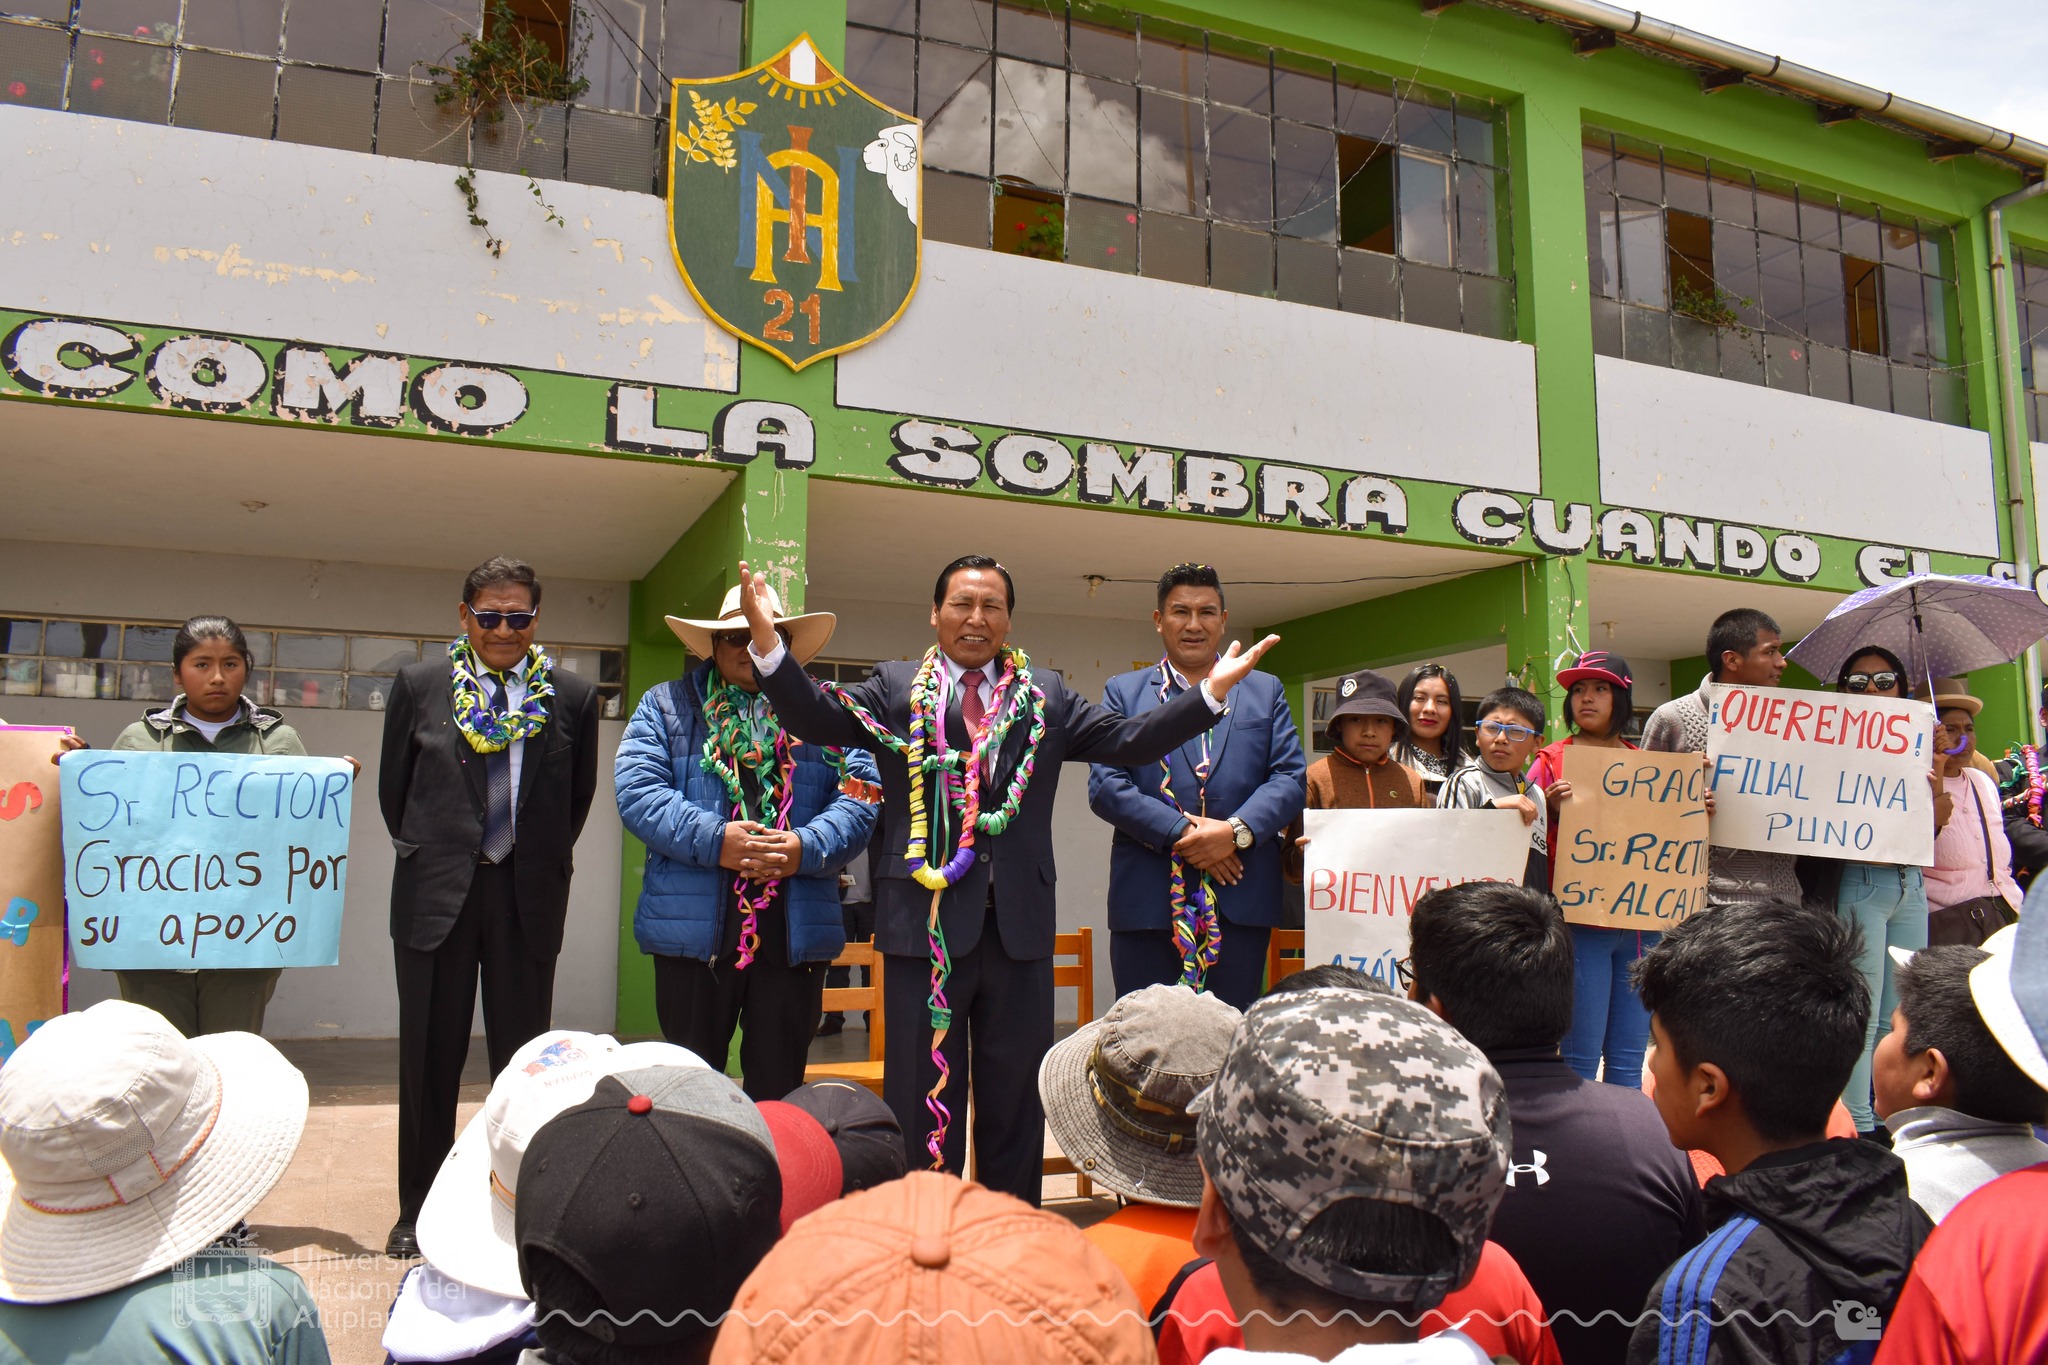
[
  {"x": 1080, "y": 974},
  {"x": 845, "y": 1000},
  {"x": 1284, "y": 954}
]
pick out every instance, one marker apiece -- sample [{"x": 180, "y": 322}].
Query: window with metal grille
[
  {"x": 1704, "y": 266},
  {"x": 1079, "y": 133},
  {"x": 2030, "y": 284}
]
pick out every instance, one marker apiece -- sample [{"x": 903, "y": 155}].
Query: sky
[{"x": 1976, "y": 58}]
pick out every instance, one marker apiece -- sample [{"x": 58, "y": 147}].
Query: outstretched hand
[
  {"x": 760, "y": 617},
  {"x": 1235, "y": 663}
]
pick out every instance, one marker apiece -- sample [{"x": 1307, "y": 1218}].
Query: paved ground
[{"x": 328, "y": 1217}]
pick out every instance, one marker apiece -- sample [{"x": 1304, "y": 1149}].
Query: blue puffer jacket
[{"x": 678, "y": 810}]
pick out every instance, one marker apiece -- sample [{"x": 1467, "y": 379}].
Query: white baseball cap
[
  {"x": 466, "y": 1224},
  {"x": 2011, "y": 991}
]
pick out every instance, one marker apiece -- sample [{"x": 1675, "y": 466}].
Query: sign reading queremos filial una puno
[{"x": 123, "y": 365}]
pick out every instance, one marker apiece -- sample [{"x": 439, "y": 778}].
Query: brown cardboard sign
[
  {"x": 1630, "y": 850},
  {"x": 31, "y": 884}
]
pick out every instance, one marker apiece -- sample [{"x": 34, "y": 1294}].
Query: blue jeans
[
  {"x": 1889, "y": 904},
  {"x": 1608, "y": 1018}
]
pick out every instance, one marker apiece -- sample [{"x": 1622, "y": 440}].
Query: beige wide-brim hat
[
  {"x": 207, "y": 1126},
  {"x": 1953, "y": 694},
  {"x": 807, "y": 633}
]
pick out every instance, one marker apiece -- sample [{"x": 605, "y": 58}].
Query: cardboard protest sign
[
  {"x": 1365, "y": 869},
  {"x": 31, "y": 884},
  {"x": 1824, "y": 773},
  {"x": 1631, "y": 846},
  {"x": 205, "y": 860}
]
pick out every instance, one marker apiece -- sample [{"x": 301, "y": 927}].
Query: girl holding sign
[
  {"x": 1608, "y": 1020},
  {"x": 1434, "y": 745},
  {"x": 211, "y": 660}
]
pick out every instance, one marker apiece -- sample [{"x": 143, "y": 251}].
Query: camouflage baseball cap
[{"x": 1328, "y": 1095}]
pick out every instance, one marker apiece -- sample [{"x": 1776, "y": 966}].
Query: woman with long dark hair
[{"x": 1435, "y": 743}]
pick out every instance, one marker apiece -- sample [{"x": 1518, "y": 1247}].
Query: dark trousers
[
  {"x": 1147, "y": 957},
  {"x": 1002, "y": 1026},
  {"x": 699, "y": 1004},
  {"x": 437, "y": 1001},
  {"x": 214, "y": 1000}
]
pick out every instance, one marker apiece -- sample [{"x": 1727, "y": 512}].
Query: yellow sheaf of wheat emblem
[{"x": 710, "y": 137}]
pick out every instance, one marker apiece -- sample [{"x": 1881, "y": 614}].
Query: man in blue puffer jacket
[{"x": 746, "y": 829}]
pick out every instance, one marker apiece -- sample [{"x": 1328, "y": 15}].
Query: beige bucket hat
[
  {"x": 807, "y": 633},
  {"x": 127, "y": 1147}
]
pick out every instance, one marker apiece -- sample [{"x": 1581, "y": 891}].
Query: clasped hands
[
  {"x": 758, "y": 853},
  {"x": 1211, "y": 846}
]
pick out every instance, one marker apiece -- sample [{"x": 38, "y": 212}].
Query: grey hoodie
[{"x": 1948, "y": 1155}]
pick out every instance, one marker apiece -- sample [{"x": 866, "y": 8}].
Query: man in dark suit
[
  {"x": 1219, "y": 805},
  {"x": 490, "y": 763},
  {"x": 1000, "y": 988}
]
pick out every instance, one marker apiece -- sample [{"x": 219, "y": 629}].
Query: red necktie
[{"x": 971, "y": 709}]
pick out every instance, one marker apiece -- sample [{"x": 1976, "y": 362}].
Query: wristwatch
[{"x": 1244, "y": 832}]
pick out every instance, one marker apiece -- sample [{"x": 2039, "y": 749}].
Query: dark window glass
[
  {"x": 899, "y": 16},
  {"x": 1783, "y": 298},
  {"x": 334, "y": 34},
  {"x": 1366, "y": 108},
  {"x": 1906, "y": 318},
  {"x": 621, "y": 45},
  {"x": 1171, "y": 174},
  {"x": 701, "y": 38},
  {"x": 1785, "y": 363},
  {"x": 1240, "y": 168},
  {"x": 529, "y": 140},
  {"x": 1828, "y": 373},
  {"x": 326, "y": 108},
  {"x": 1860, "y": 236},
  {"x": 884, "y": 65},
  {"x": 1479, "y": 246},
  {"x": 1104, "y": 49},
  {"x": 149, "y": 644},
  {"x": 1776, "y": 210},
  {"x": 1173, "y": 248},
  {"x": 1826, "y": 311},
  {"x": 148, "y": 19},
  {"x": 1476, "y": 141},
  {"x": 1641, "y": 229},
  {"x": 225, "y": 94},
  {"x": 117, "y": 79},
  {"x": 1240, "y": 79},
  {"x": 57, "y": 11},
  {"x": 411, "y": 124},
  {"x": 1240, "y": 261},
  {"x": 1820, "y": 221},
  {"x": 1425, "y": 121},
  {"x": 1646, "y": 335},
  {"x": 1424, "y": 186},
  {"x": 1603, "y": 247},
  {"x": 1685, "y": 185},
  {"x": 1305, "y": 181},
  {"x": 1489, "y": 307},
  {"x": 956, "y": 209},
  {"x": 252, "y": 26},
  {"x": 611, "y": 149},
  {"x": 953, "y": 97},
  {"x": 968, "y": 22},
  {"x": 20, "y": 635},
  {"x": 1870, "y": 381},
  {"x": 1029, "y": 31},
  {"x": 1303, "y": 92},
  {"x": 1901, "y": 242},
  {"x": 1166, "y": 62},
  {"x": 32, "y": 65},
  {"x": 1735, "y": 273},
  {"x": 1733, "y": 197},
  {"x": 1102, "y": 236},
  {"x": 1308, "y": 273},
  {"x": 1371, "y": 283},
  {"x": 1599, "y": 159},
  {"x": 426, "y": 32},
  {"x": 1430, "y": 296},
  {"x": 1031, "y": 124},
  {"x": 1103, "y": 126}
]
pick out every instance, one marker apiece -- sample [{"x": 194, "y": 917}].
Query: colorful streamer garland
[
  {"x": 740, "y": 738},
  {"x": 488, "y": 731},
  {"x": 1197, "y": 927},
  {"x": 2029, "y": 760},
  {"x": 958, "y": 774}
]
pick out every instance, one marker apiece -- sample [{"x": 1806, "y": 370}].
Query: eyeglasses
[
  {"x": 491, "y": 620},
  {"x": 1865, "y": 682},
  {"x": 1494, "y": 729},
  {"x": 1404, "y": 972}
]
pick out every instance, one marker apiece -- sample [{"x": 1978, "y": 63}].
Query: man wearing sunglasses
[{"x": 489, "y": 767}]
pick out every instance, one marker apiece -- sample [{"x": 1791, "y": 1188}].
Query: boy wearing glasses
[{"x": 1510, "y": 722}]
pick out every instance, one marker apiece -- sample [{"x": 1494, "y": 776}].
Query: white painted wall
[
  {"x": 1674, "y": 441},
  {"x": 1116, "y": 357},
  {"x": 277, "y": 239},
  {"x": 358, "y": 997}
]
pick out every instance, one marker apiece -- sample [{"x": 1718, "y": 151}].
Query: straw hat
[
  {"x": 1952, "y": 694},
  {"x": 466, "y": 1224},
  {"x": 128, "y": 1147},
  {"x": 807, "y": 633}
]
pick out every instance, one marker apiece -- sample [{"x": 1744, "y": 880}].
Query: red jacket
[
  {"x": 1497, "y": 1309},
  {"x": 1976, "y": 1295}
]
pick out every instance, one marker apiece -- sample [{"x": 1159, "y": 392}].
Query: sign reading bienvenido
[{"x": 793, "y": 205}]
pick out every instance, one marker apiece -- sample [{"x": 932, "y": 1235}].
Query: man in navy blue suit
[{"x": 1199, "y": 836}]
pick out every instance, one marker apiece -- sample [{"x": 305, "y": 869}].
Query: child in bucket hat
[
  {"x": 1354, "y": 1149},
  {"x": 129, "y": 1153}
]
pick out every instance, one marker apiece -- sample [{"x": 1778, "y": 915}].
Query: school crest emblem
[{"x": 794, "y": 211}]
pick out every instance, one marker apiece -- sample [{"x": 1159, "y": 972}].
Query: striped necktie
[{"x": 498, "y": 790}]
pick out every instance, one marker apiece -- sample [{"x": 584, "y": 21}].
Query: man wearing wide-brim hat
[{"x": 746, "y": 829}]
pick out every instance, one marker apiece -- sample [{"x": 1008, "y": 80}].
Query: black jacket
[
  {"x": 1809, "y": 1251},
  {"x": 1598, "y": 1200},
  {"x": 1076, "y": 731},
  {"x": 431, "y": 787}
]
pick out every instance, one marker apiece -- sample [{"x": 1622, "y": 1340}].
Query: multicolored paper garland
[
  {"x": 958, "y": 774},
  {"x": 488, "y": 731},
  {"x": 739, "y": 737},
  {"x": 1197, "y": 927}
]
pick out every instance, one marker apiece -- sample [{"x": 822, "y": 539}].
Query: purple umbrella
[{"x": 1941, "y": 625}]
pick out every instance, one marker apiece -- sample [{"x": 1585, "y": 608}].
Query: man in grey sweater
[{"x": 1742, "y": 647}]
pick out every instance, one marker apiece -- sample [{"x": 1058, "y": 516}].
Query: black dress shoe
[
  {"x": 831, "y": 1024},
  {"x": 403, "y": 1243}
]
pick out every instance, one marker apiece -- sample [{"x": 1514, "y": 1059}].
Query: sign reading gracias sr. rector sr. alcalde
[{"x": 793, "y": 201}]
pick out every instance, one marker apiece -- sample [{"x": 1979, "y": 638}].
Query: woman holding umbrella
[{"x": 1970, "y": 891}]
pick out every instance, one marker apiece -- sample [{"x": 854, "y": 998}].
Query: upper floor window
[
  {"x": 1704, "y": 266},
  {"x": 1079, "y": 133},
  {"x": 2030, "y": 283},
  {"x": 352, "y": 73}
]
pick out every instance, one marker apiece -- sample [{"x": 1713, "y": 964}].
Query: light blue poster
[{"x": 204, "y": 860}]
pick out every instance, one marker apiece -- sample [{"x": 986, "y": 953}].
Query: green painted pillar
[
  {"x": 761, "y": 518},
  {"x": 1545, "y": 626}
]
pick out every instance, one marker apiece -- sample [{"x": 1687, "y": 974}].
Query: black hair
[
  {"x": 1371, "y": 1236},
  {"x": 209, "y": 628},
  {"x": 497, "y": 571},
  {"x": 571, "y": 1317},
  {"x": 1328, "y": 976},
  {"x": 1620, "y": 719},
  {"x": 1772, "y": 994},
  {"x": 1499, "y": 958},
  {"x": 1189, "y": 576},
  {"x": 1515, "y": 699},
  {"x": 1940, "y": 1013},
  {"x": 1891, "y": 661},
  {"x": 1454, "y": 736},
  {"x": 1736, "y": 631},
  {"x": 973, "y": 562}
]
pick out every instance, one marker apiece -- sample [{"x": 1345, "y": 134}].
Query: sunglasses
[
  {"x": 491, "y": 620},
  {"x": 1494, "y": 729},
  {"x": 1864, "y": 682},
  {"x": 733, "y": 639}
]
